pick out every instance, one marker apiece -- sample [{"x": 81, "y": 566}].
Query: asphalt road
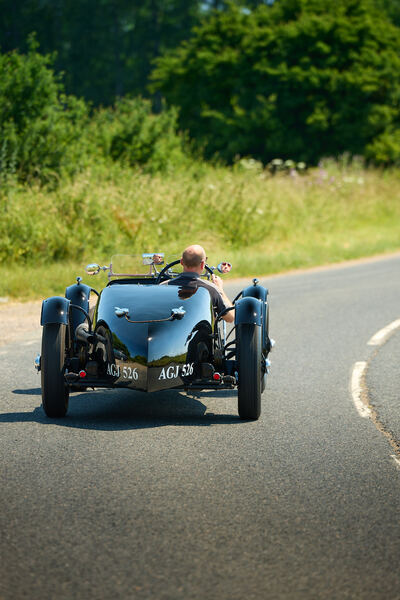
[{"x": 164, "y": 496}]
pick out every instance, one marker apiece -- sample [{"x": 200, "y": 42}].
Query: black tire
[
  {"x": 55, "y": 392},
  {"x": 263, "y": 382},
  {"x": 265, "y": 344},
  {"x": 248, "y": 344}
]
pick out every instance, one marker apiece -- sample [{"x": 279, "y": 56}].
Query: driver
[{"x": 193, "y": 261}]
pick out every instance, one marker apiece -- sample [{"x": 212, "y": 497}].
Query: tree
[
  {"x": 104, "y": 47},
  {"x": 392, "y": 8},
  {"x": 300, "y": 79}
]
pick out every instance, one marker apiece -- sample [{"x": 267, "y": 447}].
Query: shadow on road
[{"x": 125, "y": 409}]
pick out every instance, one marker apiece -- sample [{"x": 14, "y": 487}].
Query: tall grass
[{"x": 262, "y": 223}]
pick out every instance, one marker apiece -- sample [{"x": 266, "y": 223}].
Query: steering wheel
[{"x": 161, "y": 274}]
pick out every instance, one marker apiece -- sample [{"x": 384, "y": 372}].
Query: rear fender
[
  {"x": 55, "y": 310},
  {"x": 261, "y": 293},
  {"x": 248, "y": 310},
  {"x": 256, "y": 291},
  {"x": 78, "y": 294}
]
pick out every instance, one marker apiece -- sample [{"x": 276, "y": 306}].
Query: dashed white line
[
  {"x": 356, "y": 389},
  {"x": 383, "y": 334}
]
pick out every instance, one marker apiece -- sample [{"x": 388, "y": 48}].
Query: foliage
[
  {"x": 130, "y": 134},
  {"x": 105, "y": 47},
  {"x": 40, "y": 127},
  {"x": 296, "y": 79},
  {"x": 392, "y": 9},
  {"x": 45, "y": 134},
  {"x": 300, "y": 79}
]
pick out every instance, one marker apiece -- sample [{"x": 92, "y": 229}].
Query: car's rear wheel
[
  {"x": 55, "y": 392},
  {"x": 248, "y": 345}
]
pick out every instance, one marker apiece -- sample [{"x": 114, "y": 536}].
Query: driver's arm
[{"x": 230, "y": 316}]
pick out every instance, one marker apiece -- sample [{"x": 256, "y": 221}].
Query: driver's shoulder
[{"x": 210, "y": 286}]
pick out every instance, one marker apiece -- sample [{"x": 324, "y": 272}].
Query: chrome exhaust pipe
[{"x": 88, "y": 337}]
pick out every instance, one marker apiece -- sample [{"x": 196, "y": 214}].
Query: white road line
[
  {"x": 382, "y": 335},
  {"x": 396, "y": 460},
  {"x": 356, "y": 389}
]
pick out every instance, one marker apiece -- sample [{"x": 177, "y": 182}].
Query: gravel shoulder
[{"x": 19, "y": 320}]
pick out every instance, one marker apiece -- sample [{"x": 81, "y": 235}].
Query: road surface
[{"x": 165, "y": 496}]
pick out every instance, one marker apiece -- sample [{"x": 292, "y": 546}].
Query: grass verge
[{"x": 263, "y": 224}]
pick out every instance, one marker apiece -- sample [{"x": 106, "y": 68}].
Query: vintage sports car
[{"x": 149, "y": 337}]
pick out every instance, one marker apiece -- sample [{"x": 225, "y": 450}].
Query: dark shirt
[{"x": 189, "y": 281}]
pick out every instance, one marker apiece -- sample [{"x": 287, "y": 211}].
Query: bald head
[{"x": 193, "y": 257}]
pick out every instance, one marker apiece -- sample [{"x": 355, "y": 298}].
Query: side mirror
[
  {"x": 153, "y": 258},
  {"x": 224, "y": 267},
  {"x": 92, "y": 269}
]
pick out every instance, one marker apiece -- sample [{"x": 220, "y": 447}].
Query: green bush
[
  {"x": 40, "y": 127},
  {"x": 45, "y": 133},
  {"x": 129, "y": 133}
]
